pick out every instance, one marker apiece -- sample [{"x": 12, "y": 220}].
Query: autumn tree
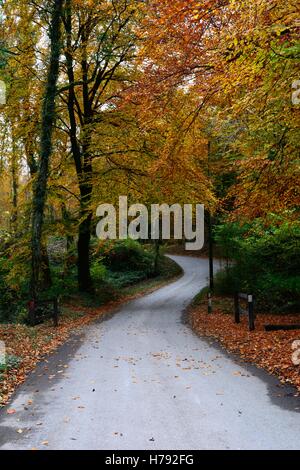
[
  {"x": 100, "y": 43},
  {"x": 241, "y": 58},
  {"x": 47, "y": 122}
]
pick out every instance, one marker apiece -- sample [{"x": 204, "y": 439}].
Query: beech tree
[
  {"x": 241, "y": 58},
  {"x": 100, "y": 43}
]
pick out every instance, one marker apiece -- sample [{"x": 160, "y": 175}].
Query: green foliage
[
  {"x": 13, "y": 288},
  {"x": 167, "y": 270},
  {"x": 266, "y": 263},
  {"x": 62, "y": 286},
  {"x": 11, "y": 362},
  {"x": 126, "y": 255},
  {"x": 121, "y": 279},
  {"x": 122, "y": 263},
  {"x": 98, "y": 271},
  {"x": 198, "y": 299},
  {"x": 228, "y": 238},
  {"x": 114, "y": 266},
  {"x": 227, "y": 282}
]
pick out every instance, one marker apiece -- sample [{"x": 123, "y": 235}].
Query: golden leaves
[{"x": 269, "y": 350}]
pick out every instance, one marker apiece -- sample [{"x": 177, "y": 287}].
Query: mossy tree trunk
[{"x": 47, "y": 124}]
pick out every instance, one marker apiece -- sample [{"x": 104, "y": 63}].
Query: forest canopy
[{"x": 161, "y": 101}]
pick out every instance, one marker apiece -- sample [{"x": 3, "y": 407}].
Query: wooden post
[
  {"x": 251, "y": 313},
  {"x": 211, "y": 253},
  {"x": 209, "y": 303},
  {"x": 210, "y": 228},
  {"x": 31, "y": 311}
]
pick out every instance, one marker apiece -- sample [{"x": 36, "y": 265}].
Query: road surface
[{"x": 144, "y": 380}]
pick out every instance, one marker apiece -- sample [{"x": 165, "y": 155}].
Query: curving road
[{"x": 143, "y": 380}]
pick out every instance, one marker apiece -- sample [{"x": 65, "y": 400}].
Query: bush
[
  {"x": 125, "y": 278},
  {"x": 265, "y": 262},
  {"x": 278, "y": 292},
  {"x": 98, "y": 271},
  {"x": 126, "y": 255},
  {"x": 13, "y": 285},
  {"x": 227, "y": 282}
]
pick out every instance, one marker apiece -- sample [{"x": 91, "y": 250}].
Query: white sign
[
  {"x": 2, "y": 353},
  {"x": 2, "y": 92}
]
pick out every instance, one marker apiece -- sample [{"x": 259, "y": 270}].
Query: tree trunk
[
  {"x": 66, "y": 219},
  {"x": 82, "y": 161},
  {"x": 84, "y": 275},
  {"x": 33, "y": 168},
  {"x": 48, "y": 119},
  {"x": 15, "y": 187}
]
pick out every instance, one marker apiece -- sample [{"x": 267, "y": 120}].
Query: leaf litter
[{"x": 271, "y": 351}]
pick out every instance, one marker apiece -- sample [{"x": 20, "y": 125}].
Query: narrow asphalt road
[{"x": 143, "y": 380}]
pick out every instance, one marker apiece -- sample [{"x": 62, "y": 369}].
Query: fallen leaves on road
[
  {"x": 271, "y": 351},
  {"x": 30, "y": 345}
]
